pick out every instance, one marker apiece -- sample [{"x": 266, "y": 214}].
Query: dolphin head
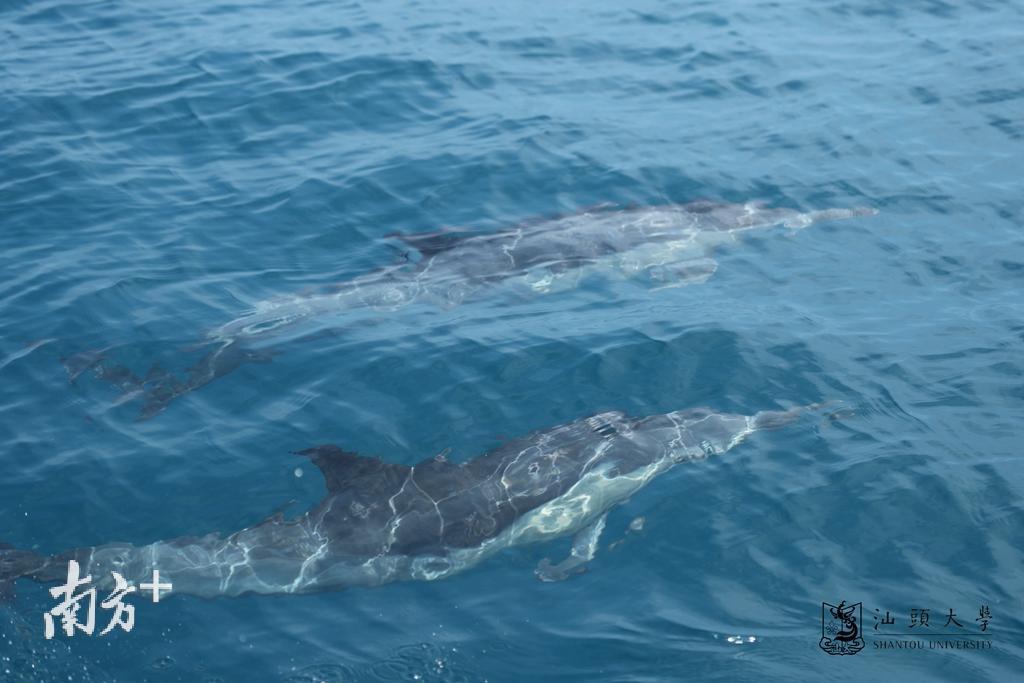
[
  {"x": 757, "y": 214},
  {"x": 694, "y": 433},
  {"x": 714, "y": 433},
  {"x": 700, "y": 432},
  {"x": 725, "y": 216}
]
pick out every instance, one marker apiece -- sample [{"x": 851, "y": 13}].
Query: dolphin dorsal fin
[
  {"x": 340, "y": 467},
  {"x": 702, "y": 206},
  {"x": 430, "y": 243}
]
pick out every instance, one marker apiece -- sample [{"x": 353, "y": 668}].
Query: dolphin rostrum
[
  {"x": 665, "y": 246},
  {"x": 382, "y": 522}
]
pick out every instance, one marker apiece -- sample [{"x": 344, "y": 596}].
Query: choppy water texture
[{"x": 168, "y": 164}]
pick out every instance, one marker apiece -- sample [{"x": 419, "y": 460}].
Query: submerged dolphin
[
  {"x": 382, "y": 522},
  {"x": 666, "y": 246}
]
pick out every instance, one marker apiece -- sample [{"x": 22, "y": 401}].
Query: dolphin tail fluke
[
  {"x": 97, "y": 363},
  {"x": 15, "y": 564},
  {"x": 159, "y": 387},
  {"x": 80, "y": 363}
]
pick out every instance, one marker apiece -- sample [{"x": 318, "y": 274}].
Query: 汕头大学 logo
[{"x": 841, "y": 628}]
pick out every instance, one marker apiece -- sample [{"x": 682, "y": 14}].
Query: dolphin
[
  {"x": 667, "y": 246},
  {"x": 664, "y": 246},
  {"x": 382, "y": 522}
]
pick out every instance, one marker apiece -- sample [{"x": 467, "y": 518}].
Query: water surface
[{"x": 169, "y": 164}]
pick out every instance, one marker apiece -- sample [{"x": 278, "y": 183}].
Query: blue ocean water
[{"x": 166, "y": 165}]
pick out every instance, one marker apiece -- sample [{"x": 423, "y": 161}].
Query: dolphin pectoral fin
[
  {"x": 556, "y": 276},
  {"x": 584, "y": 547},
  {"x": 679, "y": 274},
  {"x": 553, "y": 280}
]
